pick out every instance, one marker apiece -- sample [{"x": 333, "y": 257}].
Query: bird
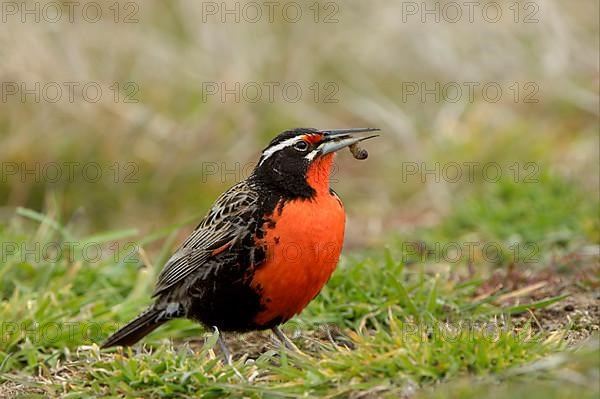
[{"x": 264, "y": 250}]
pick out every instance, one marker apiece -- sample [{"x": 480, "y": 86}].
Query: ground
[
  {"x": 391, "y": 322},
  {"x": 410, "y": 311}
]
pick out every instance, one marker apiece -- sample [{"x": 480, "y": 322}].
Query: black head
[{"x": 285, "y": 163}]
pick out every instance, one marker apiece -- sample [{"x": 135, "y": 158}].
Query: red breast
[{"x": 303, "y": 248}]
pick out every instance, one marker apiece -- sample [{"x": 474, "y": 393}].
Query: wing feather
[{"x": 225, "y": 223}]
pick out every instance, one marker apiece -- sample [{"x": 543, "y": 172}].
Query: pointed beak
[{"x": 336, "y": 139}]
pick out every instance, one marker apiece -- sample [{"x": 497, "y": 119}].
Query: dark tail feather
[{"x": 136, "y": 329}]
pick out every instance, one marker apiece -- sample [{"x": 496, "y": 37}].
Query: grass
[
  {"x": 384, "y": 326},
  {"x": 409, "y": 312},
  {"x": 572, "y": 374}
]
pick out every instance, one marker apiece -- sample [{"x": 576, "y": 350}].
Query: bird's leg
[
  {"x": 284, "y": 340},
  {"x": 224, "y": 350},
  {"x": 227, "y": 355}
]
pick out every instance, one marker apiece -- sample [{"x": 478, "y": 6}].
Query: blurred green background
[
  {"x": 489, "y": 118},
  {"x": 158, "y": 123}
]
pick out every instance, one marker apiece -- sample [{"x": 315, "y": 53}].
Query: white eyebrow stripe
[{"x": 270, "y": 151}]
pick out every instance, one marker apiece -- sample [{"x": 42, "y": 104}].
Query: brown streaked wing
[{"x": 224, "y": 224}]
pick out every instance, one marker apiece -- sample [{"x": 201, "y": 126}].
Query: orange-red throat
[{"x": 319, "y": 172}]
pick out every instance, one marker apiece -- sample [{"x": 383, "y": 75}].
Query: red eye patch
[{"x": 313, "y": 138}]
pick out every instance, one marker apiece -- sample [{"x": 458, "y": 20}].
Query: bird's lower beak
[{"x": 335, "y": 140}]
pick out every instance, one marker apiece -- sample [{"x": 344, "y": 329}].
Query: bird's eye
[{"x": 301, "y": 145}]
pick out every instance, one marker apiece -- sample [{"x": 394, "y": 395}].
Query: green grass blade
[
  {"x": 39, "y": 217},
  {"x": 534, "y": 305}
]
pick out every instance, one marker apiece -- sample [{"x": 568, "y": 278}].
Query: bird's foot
[{"x": 285, "y": 340}]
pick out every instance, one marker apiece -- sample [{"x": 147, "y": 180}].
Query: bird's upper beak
[{"x": 336, "y": 139}]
